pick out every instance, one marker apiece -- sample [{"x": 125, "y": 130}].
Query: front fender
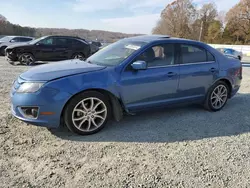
[{"x": 104, "y": 80}]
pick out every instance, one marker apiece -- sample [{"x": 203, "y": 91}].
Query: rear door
[
  {"x": 198, "y": 71},
  {"x": 63, "y": 48}
]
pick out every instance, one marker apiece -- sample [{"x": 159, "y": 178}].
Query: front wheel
[
  {"x": 87, "y": 113},
  {"x": 26, "y": 59},
  {"x": 217, "y": 96}
]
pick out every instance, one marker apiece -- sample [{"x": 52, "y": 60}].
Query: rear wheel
[
  {"x": 87, "y": 113},
  {"x": 26, "y": 59},
  {"x": 79, "y": 56},
  {"x": 217, "y": 96}
]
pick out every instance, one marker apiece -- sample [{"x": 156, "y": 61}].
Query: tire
[
  {"x": 81, "y": 119},
  {"x": 26, "y": 59},
  {"x": 79, "y": 56},
  {"x": 2, "y": 50},
  {"x": 211, "y": 98}
]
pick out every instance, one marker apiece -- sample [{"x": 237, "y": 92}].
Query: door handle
[
  {"x": 213, "y": 70},
  {"x": 171, "y": 74}
]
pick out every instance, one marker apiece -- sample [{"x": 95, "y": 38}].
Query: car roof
[
  {"x": 152, "y": 38},
  {"x": 12, "y": 36},
  {"x": 64, "y": 36}
]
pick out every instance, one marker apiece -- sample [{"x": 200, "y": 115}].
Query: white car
[
  {"x": 10, "y": 40},
  {"x": 231, "y": 52}
]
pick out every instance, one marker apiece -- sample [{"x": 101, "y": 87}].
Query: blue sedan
[{"x": 131, "y": 75}]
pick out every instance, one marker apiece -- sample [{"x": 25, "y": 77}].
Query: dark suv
[{"x": 49, "y": 48}]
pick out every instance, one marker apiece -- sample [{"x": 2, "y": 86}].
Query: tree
[
  {"x": 182, "y": 19},
  {"x": 214, "y": 34},
  {"x": 207, "y": 15},
  {"x": 176, "y": 19},
  {"x": 238, "y": 21},
  {"x": 2, "y": 18}
]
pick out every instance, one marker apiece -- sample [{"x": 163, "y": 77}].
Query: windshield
[
  {"x": 115, "y": 53},
  {"x": 6, "y": 39},
  {"x": 36, "y": 40}
]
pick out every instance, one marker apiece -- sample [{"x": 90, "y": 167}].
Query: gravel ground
[{"x": 181, "y": 147}]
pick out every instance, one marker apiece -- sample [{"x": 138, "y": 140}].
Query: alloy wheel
[
  {"x": 219, "y": 96},
  {"x": 89, "y": 114},
  {"x": 26, "y": 59}
]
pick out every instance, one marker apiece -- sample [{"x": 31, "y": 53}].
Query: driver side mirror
[
  {"x": 139, "y": 65},
  {"x": 12, "y": 40}
]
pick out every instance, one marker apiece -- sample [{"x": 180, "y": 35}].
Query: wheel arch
[
  {"x": 228, "y": 82},
  {"x": 25, "y": 52},
  {"x": 115, "y": 102},
  {"x": 3, "y": 47}
]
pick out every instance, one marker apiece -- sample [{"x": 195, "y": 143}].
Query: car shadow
[{"x": 173, "y": 125}]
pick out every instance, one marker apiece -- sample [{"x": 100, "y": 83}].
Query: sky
[{"x": 127, "y": 16}]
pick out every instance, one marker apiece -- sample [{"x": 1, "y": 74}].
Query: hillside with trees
[
  {"x": 183, "y": 19},
  {"x": 7, "y": 28}
]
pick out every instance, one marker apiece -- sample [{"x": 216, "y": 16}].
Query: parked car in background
[
  {"x": 94, "y": 48},
  {"x": 49, "y": 48},
  {"x": 131, "y": 75},
  {"x": 231, "y": 52},
  {"x": 10, "y": 40},
  {"x": 104, "y": 45}
]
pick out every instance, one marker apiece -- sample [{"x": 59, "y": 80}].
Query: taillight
[{"x": 238, "y": 72}]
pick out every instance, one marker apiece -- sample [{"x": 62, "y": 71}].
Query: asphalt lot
[{"x": 180, "y": 147}]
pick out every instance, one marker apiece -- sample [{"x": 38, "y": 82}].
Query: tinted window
[
  {"x": 76, "y": 42},
  {"x": 160, "y": 55},
  {"x": 25, "y": 39},
  {"x": 15, "y": 39},
  {"x": 61, "y": 41},
  {"x": 193, "y": 54},
  {"x": 48, "y": 41},
  {"x": 210, "y": 57}
]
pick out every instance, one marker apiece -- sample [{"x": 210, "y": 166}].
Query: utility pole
[{"x": 201, "y": 30}]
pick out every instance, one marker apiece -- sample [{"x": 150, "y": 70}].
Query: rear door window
[
  {"x": 195, "y": 54},
  {"x": 61, "y": 41},
  {"x": 24, "y": 39}
]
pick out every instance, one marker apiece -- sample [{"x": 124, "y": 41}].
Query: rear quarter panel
[{"x": 231, "y": 69}]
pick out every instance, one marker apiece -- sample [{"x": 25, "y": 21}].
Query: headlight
[{"x": 29, "y": 87}]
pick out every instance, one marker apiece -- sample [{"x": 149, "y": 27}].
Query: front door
[
  {"x": 198, "y": 71},
  {"x": 157, "y": 85},
  {"x": 44, "y": 50}
]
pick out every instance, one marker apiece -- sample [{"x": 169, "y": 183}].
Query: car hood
[
  {"x": 19, "y": 44},
  {"x": 59, "y": 69}
]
